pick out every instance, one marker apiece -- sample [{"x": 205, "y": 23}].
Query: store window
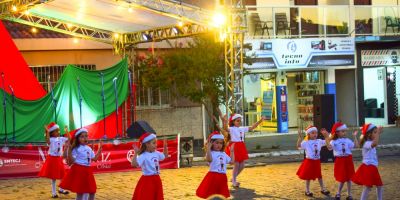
[{"x": 374, "y": 95}]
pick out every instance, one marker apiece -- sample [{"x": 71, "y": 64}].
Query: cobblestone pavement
[{"x": 262, "y": 181}]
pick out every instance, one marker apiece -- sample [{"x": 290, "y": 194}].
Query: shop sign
[
  {"x": 385, "y": 57},
  {"x": 300, "y": 53}
]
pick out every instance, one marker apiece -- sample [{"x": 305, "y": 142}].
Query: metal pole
[
  {"x": 80, "y": 100},
  {"x": 13, "y": 111},
  {"x": 54, "y": 102},
  {"x": 103, "y": 99},
  {"x": 4, "y": 107},
  {"x": 131, "y": 96},
  {"x": 116, "y": 104}
]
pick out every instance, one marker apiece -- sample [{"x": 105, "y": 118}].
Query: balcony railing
[{"x": 322, "y": 21}]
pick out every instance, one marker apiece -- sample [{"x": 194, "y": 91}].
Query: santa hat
[
  {"x": 338, "y": 126},
  {"x": 366, "y": 128},
  {"x": 52, "y": 127},
  {"x": 235, "y": 116},
  {"x": 81, "y": 130},
  {"x": 311, "y": 129},
  {"x": 215, "y": 136},
  {"x": 146, "y": 137}
]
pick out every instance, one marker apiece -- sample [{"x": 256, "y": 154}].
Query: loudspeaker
[
  {"x": 324, "y": 117},
  {"x": 139, "y": 128},
  {"x": 324, "y": 111}
]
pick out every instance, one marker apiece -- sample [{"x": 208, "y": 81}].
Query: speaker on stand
[
  {"x": 138, "y": 128},
  {"x": 324, "y": 117}
]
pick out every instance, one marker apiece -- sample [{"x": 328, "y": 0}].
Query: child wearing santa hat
[
  {"x": 79, "y": 179},
  {"x": 310, "y": 168},
  {"x": 367, "y": 174},
  {"x": 344, "y": 166},
  {"x": 147, "y": 158},
  {"x": 215, "y": 183},
  {"x": 236, "y": 136},
  {"x": 53, "y": 167}
]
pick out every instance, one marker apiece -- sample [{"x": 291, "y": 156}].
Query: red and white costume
[
  {"x": 53, "y": 167},
  {"x": 367, "y": 174},
  {"x": 215, "y": 182},
  {"x": 310, "y": 168},
  {"x": 80, "y": 178},
  {"x": 237, "y": 138},
  {"x": 344, "y": 166},
  {"x": 149, "y": 185}
]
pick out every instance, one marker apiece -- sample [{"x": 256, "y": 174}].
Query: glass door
[{"x": 375, "y": 98}]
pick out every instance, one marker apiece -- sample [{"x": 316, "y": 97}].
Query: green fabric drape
[{"x": 31, "y": 116}]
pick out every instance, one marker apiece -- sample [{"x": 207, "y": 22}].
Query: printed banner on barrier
[
  {"x": 27, "y": 161},
  {"x": 300, "y": 53}
]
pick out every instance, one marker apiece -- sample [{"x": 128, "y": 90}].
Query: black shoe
[
  {"x": 63, "y": 192},
  {"x": 54, "y": 196},
  {"x": 325, "y": 192},
  {"x": 309, "y": 194},
  {"x": 337, "y": 197},
  {"x": 349, "y": 198}
]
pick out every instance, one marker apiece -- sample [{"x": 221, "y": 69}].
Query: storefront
[
  {"x": 285, "y": 75},
  {"x": 379, "y": 89}
]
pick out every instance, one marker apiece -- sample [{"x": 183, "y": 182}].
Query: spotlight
[
  {"x": 14, "y": 8},
  {"x": 116, "y": 35},
  {"x": 146, "y": 37},
  {"x": 34, "y": 30},
  {"x": 177, "y": 30},
  {"x": 180, "y": 23}
]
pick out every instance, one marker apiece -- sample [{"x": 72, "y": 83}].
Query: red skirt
[
  {"x": 79, "y": 179},
  {"x": 240, "y": 151},
  {"x": 53, "y": 168},
  {"x": 367, "y": 175},
  {"x": 213, "y": 184},
  {"x": 343, "y": 168},
  {"x": 309, "y": 169},
  {"x": 149, "y": 188}
]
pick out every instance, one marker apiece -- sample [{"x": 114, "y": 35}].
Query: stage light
[
  {"x": 116, "y": 35},
  {"x": 219, "y": 19},
  {"x": 69, "y": 25},
  {"x": 175, "y": 30},
  {"x": 146, "y": 37},
  {"x": 130, "y": 10},
  {"x": 76, "y": 40},
  {"x": 180, "y": 23},
  {"x": 26, "y": 12},
  {"x": 34, "y": 30},
  {"x": 14, "y": 8}
]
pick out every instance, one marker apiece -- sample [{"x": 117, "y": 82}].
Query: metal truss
[
  {"x": 234, "y": 57},
  {"x": 76, "y": 30},
  {"x": 10, "y": 6},
  {"x": 163, "y": 33},
  {"x": 174, "y": 9}
]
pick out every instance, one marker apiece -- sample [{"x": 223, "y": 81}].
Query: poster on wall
[
  {"x": 300, "y": 53},
  {"x": 385, "y": 57}
]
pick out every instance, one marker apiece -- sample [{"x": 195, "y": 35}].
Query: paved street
[{"x": 264, "y": 181}]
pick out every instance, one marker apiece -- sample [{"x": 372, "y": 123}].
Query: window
[
  {"x": 52, "y": 73},
  {"x": 150, "y": 97}
]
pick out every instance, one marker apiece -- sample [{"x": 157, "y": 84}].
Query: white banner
[
  {"x": 301, "y": 53},
  {"x": 380, "y": 57}
]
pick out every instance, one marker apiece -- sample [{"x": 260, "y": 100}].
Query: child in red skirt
[
  {"x": 149, "y": 185},
  {"x": 79, "y": 178},
  {"x": 53, "y": 167},
  {"x": 344, "y": 166},
  {"x": 236, "y": 136},
  {"x": 310, "y": 168},
  {"x": 367, "y": 174},
  {"x": 215, "y": 183}
]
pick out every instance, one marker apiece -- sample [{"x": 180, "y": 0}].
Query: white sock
[
  {"x": 307, "y": 186},
  {"x": 379, "y": 192},
  {"x": 53, "y": 187},
  {"x": 365, "y": 192},
  {"x": 85, "y": 196},
  {"x": 349, "y": 188},
  {"x": 340, "y": 187}
]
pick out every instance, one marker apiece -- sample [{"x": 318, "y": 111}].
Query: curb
[{"x": 295, "y": 152}]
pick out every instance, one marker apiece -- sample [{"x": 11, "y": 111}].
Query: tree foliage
[{"x": 196, "y": 73}]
